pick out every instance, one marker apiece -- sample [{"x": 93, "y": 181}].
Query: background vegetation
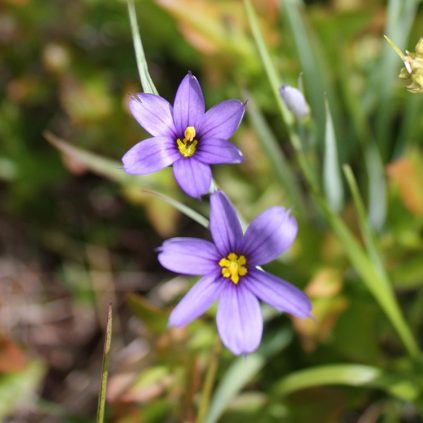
[{"x": 76, "y": 233}]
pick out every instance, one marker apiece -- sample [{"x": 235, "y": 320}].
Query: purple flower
[
  {"x": 185, "y": 136},
  {"x": 231, "y": 275}
]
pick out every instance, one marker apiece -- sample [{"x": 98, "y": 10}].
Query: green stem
[
  {"x": 146, "y": 81},
  {"x": 105, "y": 369},
  {"x": 209, "y": 382}
]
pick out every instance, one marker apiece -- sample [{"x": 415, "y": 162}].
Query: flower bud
[
  {"x": 412, "y": 72},
  {"x": 295, "y": 101}
]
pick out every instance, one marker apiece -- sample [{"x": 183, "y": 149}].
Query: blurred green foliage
[{"x": 87, "y": 231}]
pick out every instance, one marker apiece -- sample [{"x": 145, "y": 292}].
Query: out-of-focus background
[{"x": 75, "y": 235}]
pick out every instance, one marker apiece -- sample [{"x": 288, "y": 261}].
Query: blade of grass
[
  {"x": 105, "y": 369},
  {"x": 146, "y": 81},
  {"x": 242, "y": 371},
  {"x": 332, "y": 181},
  {"x": 365, "y": 229},
  {"x": 351, "y": 375},
  {"x": 312, "y": 58},
  {"x": 376, "y": 185},
  {"x": 280, "y": 165},
  {"x": 113, "y": 170},
  {"x": 275, "y": 83},
  {"x": 207, "y": 389},
  {"x": 375, "y": 177}
]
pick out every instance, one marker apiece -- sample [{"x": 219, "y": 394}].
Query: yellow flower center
[
  {"x": 188, "y": 145},
  {"x": 233, "y": 266}
]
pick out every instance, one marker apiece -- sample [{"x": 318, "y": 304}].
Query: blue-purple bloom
[
  {"x": 231, "y": 275},
  {"x": 185, "y": 136}
]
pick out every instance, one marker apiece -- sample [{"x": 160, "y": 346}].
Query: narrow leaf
[
  {"x": 280, "y": 165},
  {"x": 105, "y": 368},
  {"x": 146, "y": 81},
  {"x": 351, "y": 375},
  {"x": 331, "y": 172},
  {"x": 316, "y": 71},
  {"x": 242, "y": 371}
]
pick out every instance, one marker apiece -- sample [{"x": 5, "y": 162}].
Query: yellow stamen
[
  {"x": 233, "y": 266},
  {"x": 188, "y": 145},
  {"x": 190, "y": 133}
]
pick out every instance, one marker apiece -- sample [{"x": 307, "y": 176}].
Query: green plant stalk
[
  {"x": 382, "y": 292},
  {"x": 365, "y": 229},
  {"x": 207, "y": 390},
  {"x": 376, "y": 259},
  {"x": 146, "y": 81},
  {"x": 275, "y": 83},
  {"x": 372, "y": 279},
  {"x": 105, "y": 368},
  {"x": 281, "y": 166}
]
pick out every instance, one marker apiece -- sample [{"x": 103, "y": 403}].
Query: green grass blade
[
  {"x": 377, "y": 186},
  {"x": 371, "y": 277},
  {"x": 146, "y": 81},
  {"x": 365, "y": 229},
  {"x": 332, "y": 180},
  {"x": 209, "y": 381},
  {"x": 351, "y": 375},
  {"x": 242, "y": 371},
  {"x": 314, "y": 68},
  {"x": 280, "y": 165},
  {"x": 105, "y": 368},
  {"x": 113, "y": 170},
  {"x": 275, "y": 83}
]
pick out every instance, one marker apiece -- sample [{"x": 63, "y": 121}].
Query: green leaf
[
  {"x": 105, "y": 368},
  {"x": 113, "y": 170},
  {"x": 146, "y": 80},
  {"x": 351, "y": 375},
  {"x": 15, "y": 388},
  {"x": 332, "y": 180},
  {"x": 312, "y": 58},
  {"x": 280, "y": 165},
  {"x": 242, "y": 371},
  {"x": 377, "y": 186}
]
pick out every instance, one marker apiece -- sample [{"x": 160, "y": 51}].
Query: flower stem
[{"x": 209, "y": 382}]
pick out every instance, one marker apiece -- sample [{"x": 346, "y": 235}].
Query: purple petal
[
  {"x": 150, "y": 155},
  {"x": 222, "y": 120},
  {"x": 269, "y": 235},
  {"x": 198, "y": 299},
  {"x": 153, "y": 113},
  {"x": 188, "y": 108},
  {"x": 189, "y": 256},
  {"x": 192, "y": 176},
  {"x": 276, "y": 292},
  {"x": 218, "y": 151},
  {"x": 224, "y": 224},
  {"x": 239, "y": 319}
]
